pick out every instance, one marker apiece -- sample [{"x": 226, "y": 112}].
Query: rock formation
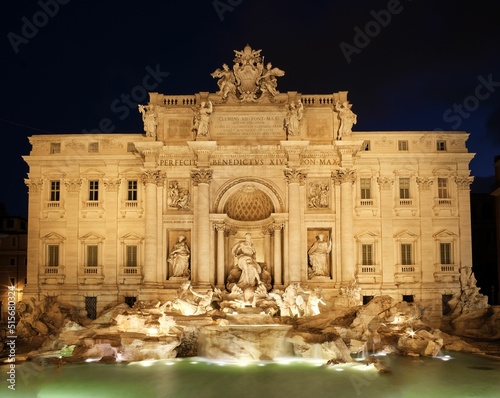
[{"x": 159, "y": 331}]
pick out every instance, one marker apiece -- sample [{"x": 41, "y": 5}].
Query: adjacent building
[
  {"x": 121, "y": 217},
  {"x": 13, "y": 255},
  {"x": 496, "y": 194}
]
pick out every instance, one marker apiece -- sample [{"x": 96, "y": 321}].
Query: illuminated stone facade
[{"x": 106, "y": 210}]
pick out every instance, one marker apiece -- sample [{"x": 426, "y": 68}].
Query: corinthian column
[
  {"x": 149, "y": 179},
  {"x": 201, "y": 269},
  {"x": 463, "y": 188},
  {"x": 35, "y": 203},
  {"x": 346, "y": 178},
  {"x": 278, "y": 280},
  {"x": 220, "y": 228},
  {"x": 294, "y": 178}
]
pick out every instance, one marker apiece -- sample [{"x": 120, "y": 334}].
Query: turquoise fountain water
[{"x": 457, "y": 376}]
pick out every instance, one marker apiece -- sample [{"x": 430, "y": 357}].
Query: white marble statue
[
  {"x": 245, "y": 252},
  {"x": 347, "y": 119},
  {"x": 318, "y": 257},
  {"x": 226, "y": 82},
  {"x": 179, "y": 258},
  {"x": 293, "y": 117},
  {"x": 268, "y": 82},
  {"x": 201, "y": 122},
  {"x": 149, "y": 120}
]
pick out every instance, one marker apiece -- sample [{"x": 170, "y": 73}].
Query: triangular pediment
[
  {"x": 91, "y": 236},
  {"x": 445, "y": 233},
  {"x": 52, "y": 237},
  {"x": 406, "y": 234},
  {"x": 131, "y": 237},
  {"x": 367, "y": 235}
]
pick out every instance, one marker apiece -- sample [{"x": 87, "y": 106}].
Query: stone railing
[
  {"x": 176, "y": 100},
  {"x": 317, "y": 100}
]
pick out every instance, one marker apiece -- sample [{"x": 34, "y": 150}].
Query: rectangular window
[
  {"x": 55, "y": 147},
  {"x": 365, "y": 184},
  {"x": 132, "y": 190},
  {"x": 55, "y": 191},
  {"x": 441, "y": 145},
  {"x": 131, "y": 256},
  {"x": 13, "y": 242},
  {"x": 406, "y": 254},
  {"x": 94, "y": 190},
  {"x": 366, "y": 145},
  {"x": 367, "y": 254},
  {"x": 402, "y": 145},
  {"x": 94, "y": 147},
  {"x": 12, "y": 261},
  {"x": 91, "y": 256},
  {"x": 367, "y": 299},
  {"x": 404, "y": 188},
  {"x": 443, "y": 188},
  {"x": 53, "y": 255},
  {"x": 445, "y": 253},
  {"x": 12, "y": 281}
]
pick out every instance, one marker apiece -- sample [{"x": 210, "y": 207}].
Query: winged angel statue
[{"x": 249, "y": 80}]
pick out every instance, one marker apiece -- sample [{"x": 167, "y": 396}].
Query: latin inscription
[
  {"x": 249, "y": 162},
  {"x": 251, "y": 125}
]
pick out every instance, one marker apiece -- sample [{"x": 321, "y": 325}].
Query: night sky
[{"x": 68, "y": 66}]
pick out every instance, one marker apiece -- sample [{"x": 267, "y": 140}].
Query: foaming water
[{"x": 456, "y": 376}]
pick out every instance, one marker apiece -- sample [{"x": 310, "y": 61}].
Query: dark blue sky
[{"x": 408, "y": 64}]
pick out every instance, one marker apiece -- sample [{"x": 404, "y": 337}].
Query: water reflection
[{"x": 454, "y": 376}]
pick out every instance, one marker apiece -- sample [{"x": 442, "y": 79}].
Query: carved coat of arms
[{"x": 249, "y": 79}]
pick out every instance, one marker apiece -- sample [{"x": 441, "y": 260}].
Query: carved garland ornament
[
  {"x": 385, "y": 183},
  {"x": 424, "y": 183},
  {"x": 73, "y": 185}
]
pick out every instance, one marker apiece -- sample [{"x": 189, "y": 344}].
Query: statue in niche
[
  {"x": 318, "y": 257},
  {"x": 245, "y": 252},
  {"x": 201, "y": 121},
  {"x": 293, "y": 117},
  {"x": 179, "y": 258},
  {"x": 149, "y": 120},
  {"x": 226, "y": 82},
  {"x": 347, "y": 119}
]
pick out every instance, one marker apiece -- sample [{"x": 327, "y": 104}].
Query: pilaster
[{"x": 201, "y": 269}]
